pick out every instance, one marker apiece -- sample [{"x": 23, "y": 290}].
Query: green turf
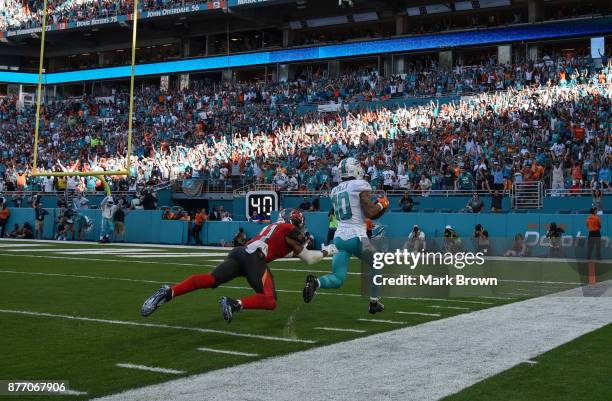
[
  {"x": 577, "y": 371},
  {"x": 113, "y": 287}
]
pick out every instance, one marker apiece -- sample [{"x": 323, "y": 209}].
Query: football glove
[
  {"x": 330, "y": 249},
  {"x": 383, "y": 201}
]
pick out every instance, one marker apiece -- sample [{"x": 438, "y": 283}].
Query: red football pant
[
  {"x": 193, "y": 283},
  {"x": 262, "y": 300}
]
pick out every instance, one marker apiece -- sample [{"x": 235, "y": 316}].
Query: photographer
[
  {"x": 519, "y": 247},
  {"x": 452, "y": 242},
  {"x": 554, "y": 234},
  {"x": 481, "y": 237},
  {"x": 240, "y": 238},
  {"x": 416, "y": 240}
]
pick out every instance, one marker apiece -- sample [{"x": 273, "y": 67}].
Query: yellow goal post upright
[{"x": 100, "y": 174}]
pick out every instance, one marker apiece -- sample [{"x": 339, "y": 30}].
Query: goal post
[{"x": 100, "y": 174}]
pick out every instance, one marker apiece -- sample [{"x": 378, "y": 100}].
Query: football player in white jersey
[{"x": 352, "y": 204}]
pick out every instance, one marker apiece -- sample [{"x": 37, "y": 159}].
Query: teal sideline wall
[{"x": 148, "y": 227}]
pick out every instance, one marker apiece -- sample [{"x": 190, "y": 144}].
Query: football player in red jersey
[{"x": 275, "y": 241}]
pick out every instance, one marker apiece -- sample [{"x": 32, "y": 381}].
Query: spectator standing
[
  {"x": 497, "y": 201},
  {"x": 597, "y": 199},
  {"x": 40, "y": 220},
  {"x": 119, "y": 223},
  {"x": 200, "y": 218},
  {"x": 593, "y": 223},
  {"x": 425, "y": 185}
]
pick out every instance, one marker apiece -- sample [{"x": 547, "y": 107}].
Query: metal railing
[{"x": 527, "y": 195}]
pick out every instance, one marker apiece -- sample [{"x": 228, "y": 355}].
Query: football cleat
[
  {"x": 229, "y": 307},
  {"x": 312, "y": 284},
  {"x": 163, "y": 295},
  {"x": 375, "y": 307}
]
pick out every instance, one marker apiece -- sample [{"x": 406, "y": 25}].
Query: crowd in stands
[{"x": 549, "y": 121}]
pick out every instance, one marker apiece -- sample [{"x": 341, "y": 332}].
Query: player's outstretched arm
[
  {"x": 306, "y": 255},
  {"x": 372, "y": 210}
]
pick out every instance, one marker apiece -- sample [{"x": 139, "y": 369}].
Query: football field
[{"x": 72, "y": 312}]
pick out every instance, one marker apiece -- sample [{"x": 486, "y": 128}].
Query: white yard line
[
  {"x": 70, "y": 392},
  {"x": 340, "y": 329},
  {"x": 530, "y": 362},
  {"x": 447, "y": 307},
  {"x": 94, "y": 251},
  {"x": 119, "y": 244},
  {"x": 155, "y": 325},
  {"x": 222, "y": 351},
  {"x": 150, "y": 368},
  {"x": 158, "y": 254},
  {"x": 381, "y": 321},
  {"x": 418, "y": 363},
  {"x": 418, "y": 313},
  {"x": 18, "y": 245},
  {"x": 110, "y": 260}
]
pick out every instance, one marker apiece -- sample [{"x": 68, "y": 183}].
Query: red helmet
[{"x": 296, "y": 217}]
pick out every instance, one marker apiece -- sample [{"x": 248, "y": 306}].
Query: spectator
[
  {"x": 475, "y": 204},
  {"x": 149, "y": 201},
  {"x": 406, "y": 203},
  {"x": 519, "y": 247},
  {"x": 226, "y": 217},
  {"x": 316, "y": 203},
  {"x": 425, "y": 185},
  {"x": 497, "y": 201},
  {"x": 200, "y": 217},
  {"x": 40, "y": 220},
  {"x": 306, "y": 205},
  {"x": 119, "y": 224},
  {"x": 217, "y": 214},
  {"x": 593, "y": 223},
  {"x": 240, "y": 238},
  {"x": 597, "y": 202},
  {"x": 5, "y": 213},
  {"x": 558, "y": 179}
]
